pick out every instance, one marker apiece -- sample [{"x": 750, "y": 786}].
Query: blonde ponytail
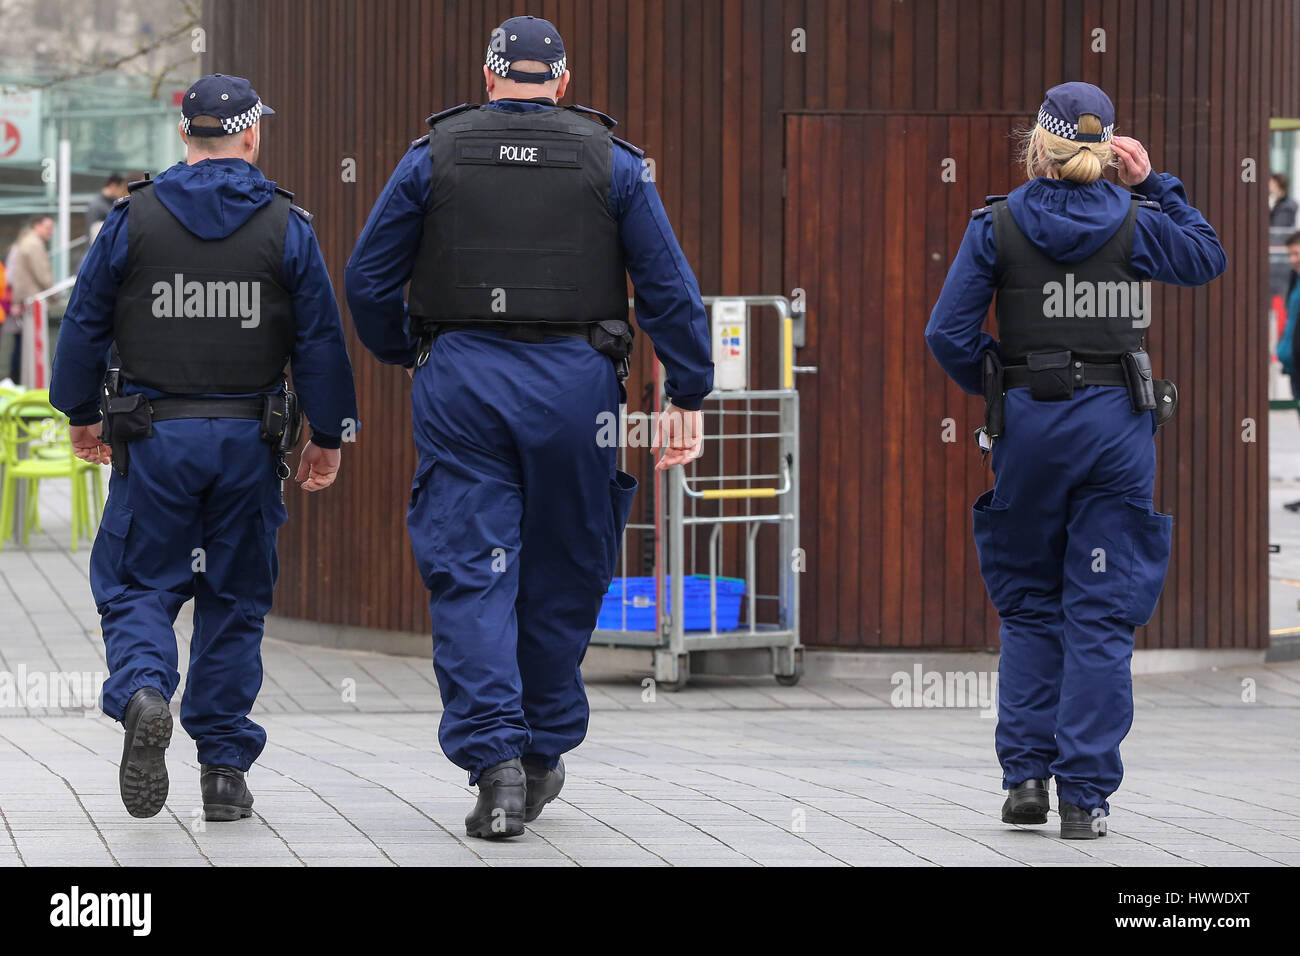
[{"x": 1055, "y": 157}]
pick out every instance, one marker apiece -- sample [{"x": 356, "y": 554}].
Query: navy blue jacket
[
  {"x": 211, "y": 199},
  {"x": 1069, "y": 222},
  {"x": 667, "y": 297}
]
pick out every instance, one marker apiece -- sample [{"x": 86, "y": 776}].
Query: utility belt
[
  {"x": 1053, "y": 376},
  {"x": 128, "y": 418},
  {"x": 611, "y": 337}
]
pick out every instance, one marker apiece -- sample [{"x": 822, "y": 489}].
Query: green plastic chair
[{"x": 29, "y": 423}]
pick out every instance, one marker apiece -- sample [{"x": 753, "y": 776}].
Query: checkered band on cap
[
  {"x": 501, "y": 66},
  {"x": 497, "y": 63},
  {"x": 234, "y": 124},
  {"x": 1054, "y": 124}
]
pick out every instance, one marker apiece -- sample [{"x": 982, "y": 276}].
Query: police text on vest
[
  {"x": 179, "y": 299},
  {"x": 518, "y": 154},
  {"x": 74, "y": 908}
]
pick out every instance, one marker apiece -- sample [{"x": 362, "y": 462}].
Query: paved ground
[{"x": 728, "y": 772}]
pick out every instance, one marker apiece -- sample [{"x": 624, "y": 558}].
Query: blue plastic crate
[{"x": 637, "y": 597}]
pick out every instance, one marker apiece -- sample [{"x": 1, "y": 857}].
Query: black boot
[
  {"x": 142, "y": 777},
  {"x": 543, "y": 787},
  {"x": 1079, "y": 824},
  {"x": 501, "y": 797},
  {"x": 1026, "y": 803},
  {"x": 225, "y": 795}
]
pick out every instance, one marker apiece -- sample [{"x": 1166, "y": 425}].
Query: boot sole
[
  {"x": 1025, "y": 816},
  {"x": 221, "y": 813},
  {"x": 532, "y": 813},
  {"x": 142, "y": 776},
  {"x": 1080, "y": 831},
  {"x": 514, "y": 827},
  {"x": 1028, "y": 810}
]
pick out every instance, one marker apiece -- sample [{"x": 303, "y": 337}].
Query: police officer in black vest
[
  {"x": 517, "y": 224},
  {"x": 204, "y": 282},
  {"x": 1070, "y": 545}
]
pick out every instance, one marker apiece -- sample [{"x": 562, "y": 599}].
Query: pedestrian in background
[
  {"x": 101, "y": 203},
  {"x": 1281, "y": 207},
  {"x": 1286, "y": 344},
  {"x": 30, "y": 273}
]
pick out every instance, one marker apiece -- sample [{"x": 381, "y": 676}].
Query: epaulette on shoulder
[
  {"x": 1148, "y": 204},
  {"x": 629, "y": 147},
  {"x": 416, "y": 143},
  {"x": 438, "y": 117},
  {"x": 306, "y": 216},
  {"x": 130, "y": 188},
  {"x": 608, "y": 121},
  {"x": 987, "y": 207}
]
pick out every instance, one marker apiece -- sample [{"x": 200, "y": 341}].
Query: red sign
[{"x": 10, "y": 139}]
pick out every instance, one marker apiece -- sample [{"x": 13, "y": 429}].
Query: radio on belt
[{"x": 730, "y": 345}]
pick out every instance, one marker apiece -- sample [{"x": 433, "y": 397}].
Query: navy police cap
[
  {"x": 526, "y": 38},
  {"x": 230, "y": 99},
  {"x": 1063, "y": 106}
]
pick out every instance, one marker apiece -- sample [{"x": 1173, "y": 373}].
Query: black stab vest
[
  {"x": 195, "y": 334},
  {"x": 518, "y": 227},
  {"x": 1090, "y": 310}
]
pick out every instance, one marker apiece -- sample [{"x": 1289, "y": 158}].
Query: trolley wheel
[
  {"x": 789, "y": 680},
  {"x": 683, "y": 675}
]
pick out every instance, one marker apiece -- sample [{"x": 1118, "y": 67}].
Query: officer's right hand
[
  {"x": 318, "y": 466},
  {"x": 679, "y": 433},
  {"x": 1134, "y": 164}
]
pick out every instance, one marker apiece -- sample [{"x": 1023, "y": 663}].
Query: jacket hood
[
  {"x": 214, "y": 197},
  {"x": 1068, "y": 221}
]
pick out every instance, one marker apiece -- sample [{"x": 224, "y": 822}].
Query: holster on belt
[
  {"x": 126, "y": 418},
  {"x": 1140, "y": 380},
  {"x": 614, "y": 337},
  {"x": 1146, "y": 393},
  {"x": 994, "y": 396},
  {"x": 281, "y": 421}
]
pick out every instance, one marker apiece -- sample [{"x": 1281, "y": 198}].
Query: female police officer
[{"x": 1071, "y": 550}]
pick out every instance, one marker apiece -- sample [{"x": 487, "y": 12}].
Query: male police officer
[
  {"x": 516, "y": 223},
  {"x": 206, "y": 281}
]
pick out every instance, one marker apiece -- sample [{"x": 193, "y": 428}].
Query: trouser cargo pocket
[
  {"x": 1152, "y": 536},
  {"x": 622, "y": 491}
]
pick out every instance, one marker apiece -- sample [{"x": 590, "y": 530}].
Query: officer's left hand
[
  {"x": 318, "y": 466},
  {"x": 86, "y": 444}
]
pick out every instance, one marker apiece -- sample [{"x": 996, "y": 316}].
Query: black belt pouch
[
  {"x": 1049, "y": 376},
  {"x": 1141, "y": 383},
  {"x": 128, "y": 417}
]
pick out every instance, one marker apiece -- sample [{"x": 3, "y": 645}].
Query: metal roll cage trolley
[{"x": 752, "y": 427}]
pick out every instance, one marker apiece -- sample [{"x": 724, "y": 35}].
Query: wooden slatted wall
[{"x": 734, "y": 119}]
